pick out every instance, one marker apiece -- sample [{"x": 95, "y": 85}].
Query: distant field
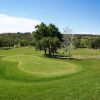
[{"x": 25, "y": 74}]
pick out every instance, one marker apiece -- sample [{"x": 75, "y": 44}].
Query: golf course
[
  {"x": 26, "y": 74},
  {"x": 49, "y": 49}
]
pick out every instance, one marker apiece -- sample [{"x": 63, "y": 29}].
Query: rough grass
[{"x": 20, "y": 85}]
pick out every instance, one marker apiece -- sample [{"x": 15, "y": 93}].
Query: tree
[
  {"x": 68, "y": 41},
  {"x": 47, "y": 38}
]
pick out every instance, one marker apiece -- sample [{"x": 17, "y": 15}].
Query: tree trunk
[
  {"x": 45, "y": 52},
  {"x": 53, "y": 54},
  {"x": 69, "y": 52},
  {"x": 49, "y": 52}
]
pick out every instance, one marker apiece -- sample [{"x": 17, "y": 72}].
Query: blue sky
[{"x": 83, "y": 16}]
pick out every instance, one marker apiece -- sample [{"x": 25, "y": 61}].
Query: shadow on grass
[
  {"x": 5, "y": 48},
  {"x": 67, "y": 58},
  {"x": 60, "y": 57}
]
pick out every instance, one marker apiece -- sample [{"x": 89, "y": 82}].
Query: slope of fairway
[
  {"x": 18, "y": 81},
  {"x": 41, "y": 66}
]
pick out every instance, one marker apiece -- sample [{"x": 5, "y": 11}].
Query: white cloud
[{"x": 16, "y": 24}]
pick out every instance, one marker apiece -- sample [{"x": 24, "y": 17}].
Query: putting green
[{"x": 43, "y": 67}]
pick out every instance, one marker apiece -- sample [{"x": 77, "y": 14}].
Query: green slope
[{"x": 16, "y": 83}]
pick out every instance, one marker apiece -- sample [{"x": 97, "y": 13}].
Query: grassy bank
[{"x": 25, "y": 74}]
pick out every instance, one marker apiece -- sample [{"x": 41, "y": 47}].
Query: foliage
[
  {"x": 86, "y": 41},
  {"x": 47, "y": 38},
  {"x": 8, "y": 40}
]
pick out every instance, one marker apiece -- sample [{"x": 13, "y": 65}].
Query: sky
[{"x": 82, "y": 16}]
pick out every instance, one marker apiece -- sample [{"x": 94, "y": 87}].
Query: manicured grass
[
  {"x": 25, "y": 74},
  {"x": 40, "y": 66}
]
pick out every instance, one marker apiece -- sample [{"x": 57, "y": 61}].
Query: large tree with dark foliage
[{"x": 47, "y": 38}]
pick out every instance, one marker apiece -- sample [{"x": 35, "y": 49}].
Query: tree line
[
  {"x": 87, "y": 41},
  {"x": 9, "y": 40},
  {"x": 49, "y": 39}
]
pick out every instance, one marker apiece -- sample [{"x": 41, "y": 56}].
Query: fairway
[{"x": 25, "y": 74}]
